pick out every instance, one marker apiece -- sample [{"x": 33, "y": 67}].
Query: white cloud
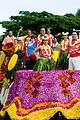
[
  {"x": 12, "y": 7},
  {"x": 2, "y": 30}
]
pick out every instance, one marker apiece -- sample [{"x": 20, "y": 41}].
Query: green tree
[
  {"x": 35, "y": 20},
  {"x": 78, "y": 12}
]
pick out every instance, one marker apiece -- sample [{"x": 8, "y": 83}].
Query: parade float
[{"x": 38, "y": 95}]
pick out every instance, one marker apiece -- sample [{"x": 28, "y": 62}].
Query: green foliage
[
  {"x": 69, "y": 15},
  {"x": 35, "y": 20},
  {"x": 44, "y": 64},
  {"x": 78, "y": 13},
  {"x": 1, "y": 38}
]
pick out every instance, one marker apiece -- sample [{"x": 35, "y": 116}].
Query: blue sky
[{"x": 60, "y": 7}]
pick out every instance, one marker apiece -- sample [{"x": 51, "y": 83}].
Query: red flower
[
  {"x": 35, "y": 93},
  {"x": 1, "y": 76},
  {"x": 32, "y": 57},
  {"x": 25, "y": 59}
]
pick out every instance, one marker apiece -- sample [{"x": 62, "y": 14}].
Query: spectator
[
  {"x": 9, "y": 38},
  {"x": 74, "y": 52},
  {"x": 30, "y": 47}
]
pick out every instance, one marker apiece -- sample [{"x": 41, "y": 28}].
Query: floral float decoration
[{"x": 12, "y": 62}]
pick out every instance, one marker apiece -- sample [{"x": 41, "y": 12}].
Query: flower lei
[
  {"x": 75, "y": 42},
  {"x": 46, "y": 48},
  {"x": 64, "y": 44}
]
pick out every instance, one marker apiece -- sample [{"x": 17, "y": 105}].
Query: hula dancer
[
  {"x": 45, "y": 61},
  {"x": 50, "y": 37},
  {"x": 39, "y": 39},
  {"x": 56, "y": 51},
  {"x": 64, "y": 53},
  {"x": 64, "y": 43}
]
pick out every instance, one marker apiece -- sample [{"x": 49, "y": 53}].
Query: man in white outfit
[{"x": 74, "y": 52}]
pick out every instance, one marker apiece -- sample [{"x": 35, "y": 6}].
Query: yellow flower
[
  {"x": 2, "y": 113},
  {"x": 2, "y": 57},
  {"x": 16, "y": 48},
  {"x": 55, "y": 55},
  {"x": 12, "y": 62}
]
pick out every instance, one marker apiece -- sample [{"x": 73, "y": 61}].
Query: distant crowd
[{"x": 43, "y": 52}]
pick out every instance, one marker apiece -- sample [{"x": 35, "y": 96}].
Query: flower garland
[
  {"x": 64, "y": 44},
  {"x": 73, "y": 43},
  {"x": 47, "y": 49}
]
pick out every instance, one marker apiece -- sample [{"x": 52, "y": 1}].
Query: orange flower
[
  {"x": 37, "y": 76},
  {"x": 28, "y": 89},
  {"x": 70, "y": 72},
  {"x": 65, "y": 84},
  {"x": 62, "y": 77},
  {"x": 29, "y": 80},
  {"x": 66, "y": 92},
  {"x": 71, "y": 80}
]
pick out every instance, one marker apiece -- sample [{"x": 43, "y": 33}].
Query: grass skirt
[
  {"x": 44, "y": 64},
  {"x": 63, "y": 61}
]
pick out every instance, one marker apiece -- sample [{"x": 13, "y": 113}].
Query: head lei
[{"x": 65, "y": 33}]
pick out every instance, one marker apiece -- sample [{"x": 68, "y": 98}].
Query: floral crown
[{"x": 65, "y": 33}]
